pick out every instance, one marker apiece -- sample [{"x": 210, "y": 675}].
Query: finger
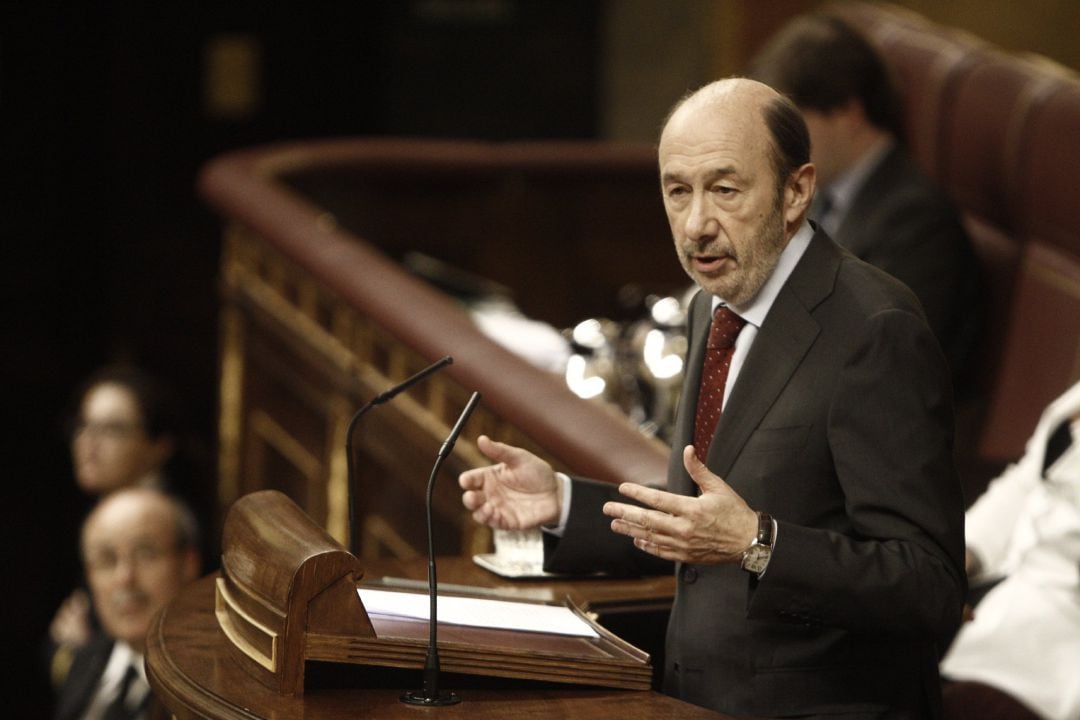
[
  {"x": 494, "y": 517},
  {"x": 473, "y": 479},
  {"x": 661, "y": 551},
  {"x": 481, "y": 516},
  {"x": 650, "y": 520},
  {"x": 636, "y": 522},
  {"x": 624, "y": 511},
  {"x": 472, "y": 499},
  {"x": 658, "y": 499},
  {"x": 706, "y": 479},
  {"x": 498, "y": 451},
  {"x": 488, "y": 446},
  {"x": 643, "y": 533}
]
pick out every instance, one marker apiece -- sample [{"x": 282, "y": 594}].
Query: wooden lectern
[
  {"x": 287, "y": 594},
  {"x": 195, "y": 677}
]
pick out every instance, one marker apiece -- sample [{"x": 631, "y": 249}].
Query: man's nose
[
  {"x": 700, "y": 221},
  {"x": 125, "y": 570}
]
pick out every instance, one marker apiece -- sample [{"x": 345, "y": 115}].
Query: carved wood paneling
[{"x": 316, "y": 321}]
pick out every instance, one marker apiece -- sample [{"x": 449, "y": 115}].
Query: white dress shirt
[{"x": 121, "y": 658}]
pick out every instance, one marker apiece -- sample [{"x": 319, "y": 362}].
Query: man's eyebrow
[{"x": 710, "y": 175}]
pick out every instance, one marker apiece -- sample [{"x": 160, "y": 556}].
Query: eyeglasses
[{"x": 108, "y": 430}]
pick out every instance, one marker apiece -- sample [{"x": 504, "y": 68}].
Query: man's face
[
  {"x": 110, "y": 448},
  {"x": 132, "y": 562},
  {"x": 720, "y": 194}
]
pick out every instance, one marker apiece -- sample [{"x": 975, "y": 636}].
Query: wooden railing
[{"x": 318, "y": 316}]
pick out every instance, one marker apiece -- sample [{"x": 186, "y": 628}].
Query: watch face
[{"x": 756, "y": 558}]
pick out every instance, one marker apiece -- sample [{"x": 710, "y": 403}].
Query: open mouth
[{"x": 710, "y": 263}]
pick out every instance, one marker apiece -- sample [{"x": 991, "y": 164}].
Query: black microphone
[
  {"x": 430, "y": 695},
  {"x": 384, "y": 396}
]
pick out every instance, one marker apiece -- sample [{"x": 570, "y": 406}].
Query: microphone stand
[
  {"x": 386, "y": 395},
  {"x": 430, "y": 695}
]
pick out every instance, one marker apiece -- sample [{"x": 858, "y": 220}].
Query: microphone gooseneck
[
  {"x": 430, "y": 695},
  {"x": 384, "y": 396}
]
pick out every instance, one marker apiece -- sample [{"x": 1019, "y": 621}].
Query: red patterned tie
[{"x": 725, "y": 328}]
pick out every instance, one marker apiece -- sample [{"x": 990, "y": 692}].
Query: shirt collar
[
  {"x": 754, "y": 312},
  {"x": 121, "y": 657}
]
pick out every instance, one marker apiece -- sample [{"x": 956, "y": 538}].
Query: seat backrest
[
  {"x": 1001, "y": 133},
  {"x": 1041, "y": 352}
]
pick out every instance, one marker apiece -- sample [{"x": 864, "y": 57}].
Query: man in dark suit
[
  {"x": 872, "y": 199},
  {"x": 817, "y": 527},
  {"x": 139, "y": 547}
]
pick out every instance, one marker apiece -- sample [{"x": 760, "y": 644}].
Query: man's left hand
[{"x": 713, "y": 528}]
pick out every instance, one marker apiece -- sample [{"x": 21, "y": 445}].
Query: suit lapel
[
  {"x": 698, "y": 324},
  {"x": 785, "y": 337},
  {"x": 83, "y": 678}
]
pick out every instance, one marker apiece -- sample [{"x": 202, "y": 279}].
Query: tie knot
[{"x": 725, "y": 328}]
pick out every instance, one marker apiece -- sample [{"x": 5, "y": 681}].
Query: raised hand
[
  {"x": 712, "y": 528},
  {"x": 517, "y": 493},
  {"x": 71, "y": 624}
]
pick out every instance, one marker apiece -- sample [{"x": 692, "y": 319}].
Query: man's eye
[{"x": 723, "y": 189}]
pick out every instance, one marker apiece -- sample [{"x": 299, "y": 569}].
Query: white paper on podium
[{"x": 478, "y": 612}]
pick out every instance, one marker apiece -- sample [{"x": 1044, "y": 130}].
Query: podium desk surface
[
  {"x": 460, "y": 575},
  {"x": 191, "y": 671}
]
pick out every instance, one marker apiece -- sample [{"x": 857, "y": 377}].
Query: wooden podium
[
  {"x": 287, "y": 595},
  {"x": 284, "y": 606}
]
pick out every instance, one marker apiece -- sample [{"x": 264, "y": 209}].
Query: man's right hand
[{"x": 519, "y": 492}]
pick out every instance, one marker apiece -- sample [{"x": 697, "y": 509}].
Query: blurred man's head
[
  {"x": 840, "y": 83},
  {"x": 139, "y": 547}
]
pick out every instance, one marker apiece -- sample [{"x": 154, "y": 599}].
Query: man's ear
[{"x": 798, "y": 193}]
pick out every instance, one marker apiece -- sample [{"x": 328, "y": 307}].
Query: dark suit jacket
[
  {"x": 84, "y": 677},
  {"x": 904, "y": 224},
  {"x": 840, "y": 426}
]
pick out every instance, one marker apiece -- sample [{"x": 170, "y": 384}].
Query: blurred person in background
[
  {"x": 128, "y": 430},
  {"x": 871, "y": 197},
  {"x": 139, "y": 547}
]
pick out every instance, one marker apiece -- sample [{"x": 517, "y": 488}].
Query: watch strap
[{"x": 764, "y": 529}]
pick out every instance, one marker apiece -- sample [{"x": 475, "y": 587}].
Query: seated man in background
[
  {"x": 139, "y": 547},
  {"x": 1024, "y": 532},
  {"x": 871, "y": 198}
]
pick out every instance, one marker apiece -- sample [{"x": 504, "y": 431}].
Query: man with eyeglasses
[{"x": 139, "y": 547}]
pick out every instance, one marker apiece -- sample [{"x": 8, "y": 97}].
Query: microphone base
[{"x": 439, "y": 699}]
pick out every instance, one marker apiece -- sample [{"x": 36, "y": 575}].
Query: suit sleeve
[
  {"x": 588, "y": 544},
  {"x": 893, "y": 562}
]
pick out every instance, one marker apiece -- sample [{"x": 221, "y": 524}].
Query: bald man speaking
[{"x": 812, "y": 514}]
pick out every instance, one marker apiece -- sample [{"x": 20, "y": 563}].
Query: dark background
[{"x": 109, "y": 254}]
